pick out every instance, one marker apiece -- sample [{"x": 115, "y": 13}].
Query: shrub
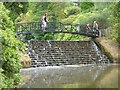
[
  {"x": 73, "y": 10},
  {"x": 114, "y": 33},
  {"x": 10, "y": 47}
]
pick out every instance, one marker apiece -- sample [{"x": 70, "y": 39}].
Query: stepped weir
[{"x": 57, "y": 53}]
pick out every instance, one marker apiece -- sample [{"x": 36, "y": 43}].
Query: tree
[
  {"x": 86, "y": 5},
  {"x": 55, "y": 10},
  {"x": 16, "y": 8},
  {"x": 10, "y": 51}
]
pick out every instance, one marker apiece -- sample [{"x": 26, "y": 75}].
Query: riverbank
[{"x": 111, "y": 48}]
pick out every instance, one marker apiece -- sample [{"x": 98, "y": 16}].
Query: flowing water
[
  {"x": 81, "y": 65},
  {"x": 71, "y": 76}
]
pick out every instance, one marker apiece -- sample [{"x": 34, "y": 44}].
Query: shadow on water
[{"x": 71, "y": 76}]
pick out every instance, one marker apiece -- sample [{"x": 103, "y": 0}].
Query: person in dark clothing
[{"x": 95, "y": 28}]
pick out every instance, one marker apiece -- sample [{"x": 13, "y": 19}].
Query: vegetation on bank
[
  {"x": 106, "y": 14},
  {"x": 10, "y": 71}
]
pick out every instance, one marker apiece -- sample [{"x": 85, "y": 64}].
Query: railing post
[
  {"x": 61, "y": 26},
  {"x": 99, "y": 33},
  {"x": 78, "y": 28}
]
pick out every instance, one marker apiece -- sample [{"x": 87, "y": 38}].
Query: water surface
[{"x": 71, "y": 76}]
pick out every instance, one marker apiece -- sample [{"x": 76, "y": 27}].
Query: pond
[{"x": 71, "y": 76}]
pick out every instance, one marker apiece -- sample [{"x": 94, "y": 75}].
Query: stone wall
[{"x": 110, "y": 48}]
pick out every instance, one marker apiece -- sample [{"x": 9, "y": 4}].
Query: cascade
[{"x": 56, "y": 53}]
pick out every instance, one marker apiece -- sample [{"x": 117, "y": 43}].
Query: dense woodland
[{"x": 106, "y": 14}]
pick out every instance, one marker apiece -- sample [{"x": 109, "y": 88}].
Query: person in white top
[
  {"x": 78, "y": 28},
  {"x": 44, "y": 21},
  {"x": 95, "y": 26}
]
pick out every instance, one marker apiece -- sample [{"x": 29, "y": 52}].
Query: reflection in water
[{"x": 74, "y": 76}]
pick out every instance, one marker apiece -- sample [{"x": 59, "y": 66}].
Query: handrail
[{"x": 53, "y": 27}]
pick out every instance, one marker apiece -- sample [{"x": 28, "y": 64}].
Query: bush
[
  {"x": 70, "y": 19},
  {"x": 73, "y": 10},
  {"x": 114, "y": 33},
  {"x": 10, "y": 48},
  {"x": 2, "y": 80},
  {"x": 90, "y": 17}
]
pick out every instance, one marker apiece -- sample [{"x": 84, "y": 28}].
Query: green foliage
[
  {"x": 62, "y": 36},
  {"x": 70, "y": 19},
  {"x": 90, "y": 17},
  {"x": 16, "y": 8},
  {"x": 103, "y": 17},
  {"x": 2, "y": 80},
  {"x": 38, "y": 36},
  {"x": 24, "y": 18},
  {"x": 86, "y": 5},
  {"x": 44, "y": 36},
  {"x": 117, "y": 10},
  {"x": 84, "y": 18},
  {"x": 73, "y": 10},
  {"x": 48, "y": 36},
  {"x": 114, "y": 34},
  {"x": 116, "y": 23},
  {"x": 10, "y": 48},
  {"x": 55, "y": 10}
]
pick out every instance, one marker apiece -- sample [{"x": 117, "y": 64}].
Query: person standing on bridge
[
  {"x": 88, "y": 28},
  {"x": 44, "y": 22},
  {"x": 95, "y": 27}
]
